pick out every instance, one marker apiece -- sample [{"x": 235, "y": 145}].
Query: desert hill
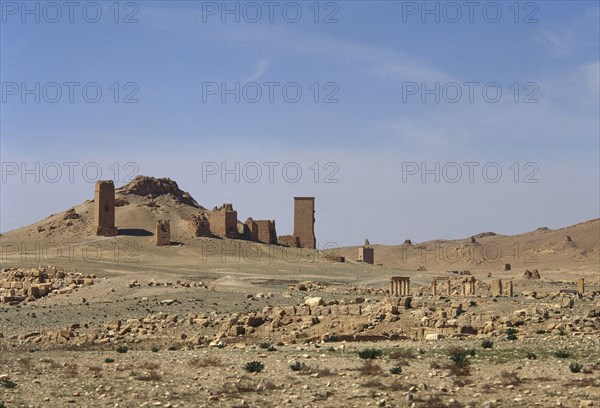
[{"x": 575, "y": 247}]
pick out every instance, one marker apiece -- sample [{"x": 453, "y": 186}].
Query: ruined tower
[
  {"x": 304, "y": 221},
  {"x": 163, "y": 233},
  {"x": 104, "y": 208}
]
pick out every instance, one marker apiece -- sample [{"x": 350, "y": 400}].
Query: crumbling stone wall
[
  {"x": 104, "y": 208},
  {"x": 163, "y": 233},
  {"x": 251, "y": 230},
  {"x": 200, "y": 225},
  {"x": 291, "y": 241},
  {"x": 266, "y": 231},
  {"x": 304, "y": 221},
  {"x": 22, "y": 284},
  {"x": 366, "y": 255},
  {"x": 223, "y": 221}
]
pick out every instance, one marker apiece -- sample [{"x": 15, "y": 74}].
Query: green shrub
[
  {"x": 122, "y": 349},
  {"x": 271, "y": 348},
  {"x": 254, "y": 367},
  {"x": 562, "y": 354},
  {"x": 395, "y": 370},
  {"x": 264, "y": 345},
  {"x": 458, "y": 356},
  {"x": 297, "y": 366},
  {"x": 173, "y": 348},
  {"x": 511, "y": 334},
  {"x": 109, "y": 360},
  {"x": 370, "y": 353},
  {"x": 540, "y": 331},
  {"x": 2, "y": 405},
  {"x": 470, "y": 352},
  {"x": 155, "y": 349},
  {"x": 487, "y": 344},
  {"x": 8, "y": 384},
  {"x": 530, "y": 356},
  {"x": 575, "y": 367}
]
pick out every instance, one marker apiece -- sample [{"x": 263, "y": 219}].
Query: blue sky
[{"x": 367, "y": 61}]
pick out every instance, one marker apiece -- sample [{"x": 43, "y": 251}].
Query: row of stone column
[{"x": 399, "y": 286}]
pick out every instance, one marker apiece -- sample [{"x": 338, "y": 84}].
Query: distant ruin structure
[
  {"x": 581, "y": 286},
  {"x": 399, "y": 286},
  {"x": 469, "y": 286},
  {"x": 163, "y": 233},
  {"x": 434, "y": 283},
  {"x": 508, "y": 288},
  {"x": 104, "y": 208},
  {"x": 496, "y": 287},
  {"x": 304, "y": 221},
  {"x": 223, "y": 222},
  {"x": 200, "y": 225},
  {"x": 366, "y": 255},
  {"x": 291, "y": 241},
  {"x": 262, "y": 231}
]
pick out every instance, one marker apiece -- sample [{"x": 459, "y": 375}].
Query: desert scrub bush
[
  {"x": 540, "y": 331},
  {"x": 369, "y": 353},
  {"x": 271, "y": 348},
  {"x": 155, "y": 349},
  {"x": 109, "y": 360},
  {"x": 122, "y": 349},
  {"x": 458, "y": 356},
  {"x": 254, "y": 366},
  {"x": 297, "y": 366},
  {"x": 264, "y": 345},
  {"x": 2, "y": 405},
  {"x": 395, "y": 370},
  {"x": 511, "y": 334},
  {"x": 562, "y": 354},
  {"x": 487, "y": 344},
  {"x": 575, "y": 367},
  {"x": 370, "y": 368},
  {"x": 530, "y": 356},
  {"x": 8, "y": 384}
]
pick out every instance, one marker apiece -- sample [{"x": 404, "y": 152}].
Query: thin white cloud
[
  {"x": 571, "y": 37},
  {"x": 259, "y": 70}
]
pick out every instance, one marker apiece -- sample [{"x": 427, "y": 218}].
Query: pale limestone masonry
[{"x": 399, "y": 286}]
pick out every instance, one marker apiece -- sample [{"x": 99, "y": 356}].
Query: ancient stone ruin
[
  {"x": 22, "y": 284},
  {"x": 434, "y": 283},
  {"x": 200, "y": 225},
  {"x": 399, "y": 286},
  {"x": 223, "y": 221},
  {"x": 291, "y": 241},
  {"x": 260, "y": 231},
  {"x": 366, "y": 255},
  {"x": 104, "y": 208},
  {"x": 500, "y": 289},
  {"x": 581, "y": 286},
  {"x": 469, "y": 286},
  {"x": 535, "y": 274},
  {"x": 304, "y": 221},
  {"x": 163, "y": 233}
]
